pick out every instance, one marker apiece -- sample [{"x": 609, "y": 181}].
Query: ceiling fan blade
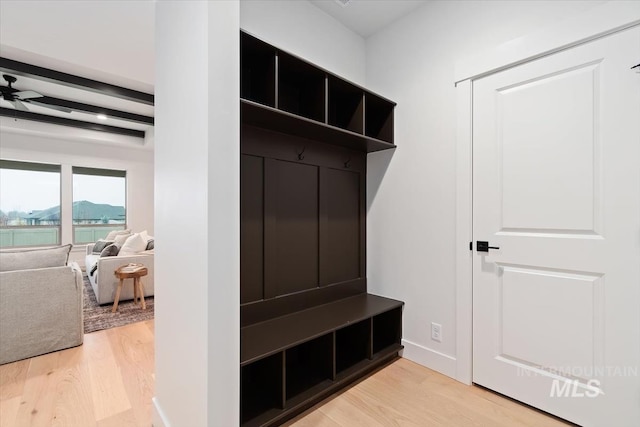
[
  {"x": 27, "y": 94},
  {"x": 53, "y": 107},
  {"x": 18, "y": 105}
]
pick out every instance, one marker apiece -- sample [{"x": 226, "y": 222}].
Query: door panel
[
  {"x": 538, "y": 194},
  {"x": 556, "y": 186},
  {"x": 537, "y": 340}
]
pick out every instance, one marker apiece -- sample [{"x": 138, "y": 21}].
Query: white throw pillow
[
  {"x": 144, "y": 235},
  {"x": 121, "y": 238},
  {"x": 112, "y": 235},
  {"x": 134, "y": 244}
]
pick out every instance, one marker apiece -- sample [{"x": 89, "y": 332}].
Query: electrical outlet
[{"x": 436, "y": 332}]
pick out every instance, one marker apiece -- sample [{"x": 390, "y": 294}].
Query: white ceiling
[
  {"x": 108, "y": 41},
  {"x": 367, "y": 17},
  {"x": 103, "y": 40}
]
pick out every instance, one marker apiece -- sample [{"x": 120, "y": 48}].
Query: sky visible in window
[
  {"x": 26, "y": 191},
  {"x": 107, "y": 190}
]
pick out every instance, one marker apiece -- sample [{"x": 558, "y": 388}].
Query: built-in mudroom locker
[{"x": 308, "y": 325}]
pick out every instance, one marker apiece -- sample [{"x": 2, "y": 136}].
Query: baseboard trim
[
  {"x": 159, "y": 419},
  {"x": 430, "y": 358}
]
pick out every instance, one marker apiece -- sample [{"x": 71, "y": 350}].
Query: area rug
[{"x": 99, "y": 317}]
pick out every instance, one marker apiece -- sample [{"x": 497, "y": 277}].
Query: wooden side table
[{"x": 135, "y": 272}]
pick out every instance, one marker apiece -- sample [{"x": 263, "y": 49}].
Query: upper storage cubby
[
  {"x": 258, "y": 70},
  {"x": 283, "y": 93},
  {"x": 301, "y": 88},
  {"x": 378, "y": 117},
  {"x": 346, "y": 105}
]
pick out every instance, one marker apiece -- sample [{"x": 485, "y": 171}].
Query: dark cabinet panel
[
  {"x": 340, "y": 230},
  {"x": 291, "y": 250},
  {"x": 252, "y": 229}
]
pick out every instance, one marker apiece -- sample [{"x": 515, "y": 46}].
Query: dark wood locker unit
[{"x": 308, "y": 325}]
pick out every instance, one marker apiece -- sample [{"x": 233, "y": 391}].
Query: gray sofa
[
  {"x": 40, "y": 308},
  {"x": 104, "y": 283}
]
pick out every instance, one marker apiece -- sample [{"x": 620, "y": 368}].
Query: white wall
[
  {"x": 197, "y": 212},
  {"x": 306, "y": 31},
  {"x": 50, "y": 146},
  {"x": 411, "y": 193}
]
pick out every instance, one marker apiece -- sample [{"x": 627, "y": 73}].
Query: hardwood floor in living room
[{"x": 109, "y": 381}]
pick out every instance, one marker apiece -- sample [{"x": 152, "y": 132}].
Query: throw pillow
[
  {"x": 112, "y": 235},
  {"x": 134, "y": 244},
  {"x": 34, "y": 258},
  {"x": 111, "y": 250},
  {"x": 150, "y": 245},
  {"x": 100, "y": 245},
  {"x": 121, "y": 238}
]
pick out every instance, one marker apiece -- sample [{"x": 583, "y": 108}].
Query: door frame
[{"x": 597, "y": 22}]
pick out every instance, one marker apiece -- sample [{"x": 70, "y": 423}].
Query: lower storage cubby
[
  {"x": 387, "y": 329},
  {"x": 312, "y": 354},
  {"x": 353, "y": 345},
  {"x": 308, "y": 365},
  {"x": 261, "y": 387}
]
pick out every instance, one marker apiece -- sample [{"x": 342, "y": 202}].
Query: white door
[{"x": 556, "y": 186}]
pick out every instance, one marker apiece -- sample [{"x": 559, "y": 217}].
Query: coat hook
[
  {"x": 347, "y": 164},
  {"x": 301, "y": 154}
]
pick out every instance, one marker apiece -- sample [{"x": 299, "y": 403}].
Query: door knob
[{"x": 484, "y": 246}]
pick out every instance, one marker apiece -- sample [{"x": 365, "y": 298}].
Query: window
[
  {"x": 99, "y": 205},
  {"x": 29, "y": 204}
]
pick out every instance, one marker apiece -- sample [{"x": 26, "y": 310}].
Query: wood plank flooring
[{"x": 109, "y": 381}]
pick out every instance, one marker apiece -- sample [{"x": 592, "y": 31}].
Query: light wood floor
[{"x": 109, "y": 381}]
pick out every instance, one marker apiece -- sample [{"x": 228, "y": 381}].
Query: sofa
[
  {"x": 40, "y": 303},
  {"x": 104, "y": 283}
]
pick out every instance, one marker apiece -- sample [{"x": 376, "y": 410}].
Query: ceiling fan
[{"x": 17, "y": 97}]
